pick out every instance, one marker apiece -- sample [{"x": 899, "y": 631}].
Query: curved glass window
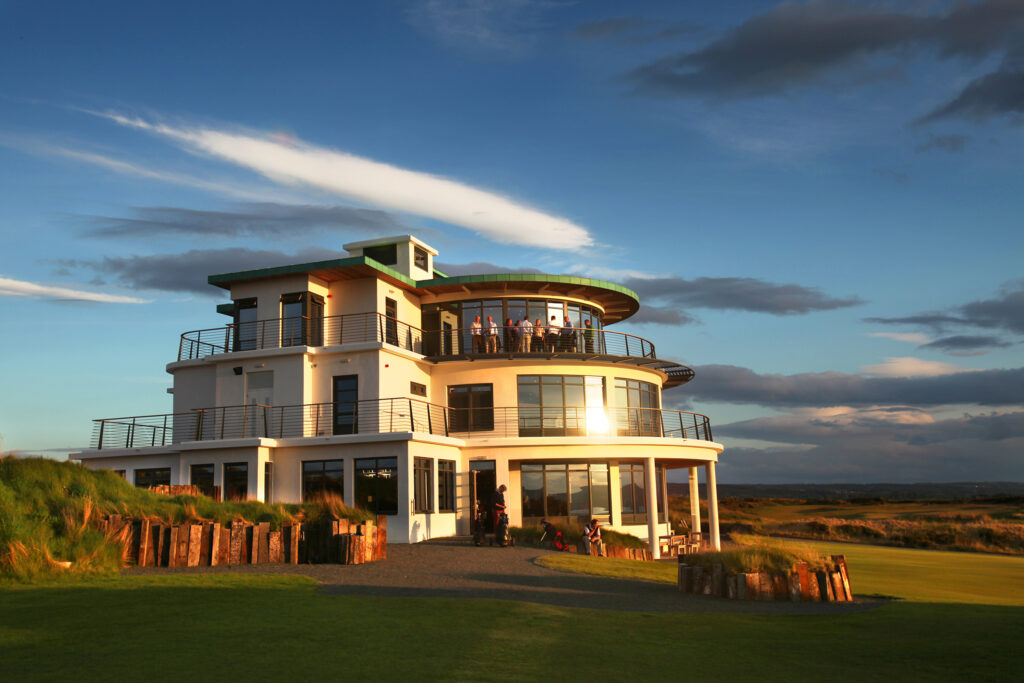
[{"x": 565, "y": 492}]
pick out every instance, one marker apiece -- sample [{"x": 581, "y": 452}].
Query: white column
[
  {"x": 694, "y": 502},
  {"x": 709, "y": 475},
  {"x": 664, "y": 499},
  {"x": 652, "y": 508}
]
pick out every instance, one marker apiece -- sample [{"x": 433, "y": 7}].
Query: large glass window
[
  {"x": 302, "y": 319},
  {"x": 245, "y": 324},
  {"x": 154, "y": 476},
  {"x": 323, "y": 478},
  {"x": 637, "y": 408},
  {"x": 420, "y": 258},
  {"x": 472, "y": 408},
  {"x": 634, "y": 498},
  {"x": 561, "y": 405},
  {"x": 346, "y": 415},
  {"x": 236, "y": 481},
  {"x": 423, "y": 485},
  {"x": 565, "y": 492},
  {"x": 446, "y": 486},
  {"x": 376, "y": 485},
  {"x": 201, "y": 476}
]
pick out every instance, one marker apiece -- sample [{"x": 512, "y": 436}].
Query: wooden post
[
  {"x": 275, "y": 552},
  {"x": 717, "y": 580},
  {"x": 172, "y": 547},
  {"x": 824, "y": 586},
  {"x": 145, "y": 543},
  {"x": 263, "y": 546},
  {"x": 224, "y": 548},
  {"x": 235, "y": 552},
  {"x": 183, "y": 537},
  {"x": 795, "y": 594},
  {"x": 214, "y": 544},
  {"x": 195, "y": 543},
  {"x": 753, "y": 581},
  {"x": 837, "y": 586},
  {"x": 382, "y": 537}
]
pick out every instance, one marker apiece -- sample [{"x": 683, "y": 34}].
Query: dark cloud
[
  {"x": 264, "y": 220},
  {"x": 661, "y": 315},
  {"x": 966, "y": 342},
  {"x": 735, "y": 293},
  {"x": 1005, "y": 312},
  {"x": 898, "y": 445},
  {"x": 607, "y": 28},
  {"x": 478, "y": 267},
  {"x": 995, "y": 94},
  {"x": 794, "y": 45},
  {"x": 187, "y": 272},
  {"x": 732, "y": 384},
  {"x": 949, "y": 143}
]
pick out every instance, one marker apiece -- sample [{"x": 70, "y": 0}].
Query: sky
[{"x": 819, "y": 203}]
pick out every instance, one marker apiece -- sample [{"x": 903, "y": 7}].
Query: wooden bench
[{"x": 672, "y": 545}]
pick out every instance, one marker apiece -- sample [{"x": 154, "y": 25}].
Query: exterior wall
[
  {"x": 352, "y": 296},
  {"x": 408, "y": 303},
  {"x": 194, "y": 387},
  {"x": 268, "y": 293}
]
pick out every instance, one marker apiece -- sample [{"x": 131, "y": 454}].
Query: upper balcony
[
  {"x": 389, "y": 415},
  {"x": 449, "y": 344}
]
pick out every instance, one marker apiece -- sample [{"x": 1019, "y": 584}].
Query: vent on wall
[{"x": 417, "y": 389}]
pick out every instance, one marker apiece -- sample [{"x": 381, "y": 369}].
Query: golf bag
[
  {"x": 480, "y": 527},
  {"x": 501, "y": 534},
  {"x": 557, "y": 540}
]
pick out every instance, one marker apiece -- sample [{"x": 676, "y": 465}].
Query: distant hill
[{"x": 956, "y": 490}]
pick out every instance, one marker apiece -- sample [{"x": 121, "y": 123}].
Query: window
[
  {"x": 385, "y": 254},
  {"x": 423, "y": 485},
  {"x": 201, "y": 476},
  {"x": 154, "y": 476},
  {"x": 419, "y": 258},
  {"x": 346, "y": 415},
  {"x": 377, "y": 485},
  {"x": 236, "y": 481},
  {"x": 417, "y": 389},
  {"x": 323, "y": 478},
  {"x": 446, "y": 486},
  {"x": 268, "y": 482},
  {"x": 245, "y": 325},
  {"x": 302, "y": 319},
  {"x": 637, "y": 408},
  {"x": 391, "y": 320},
  {"x": 561, "y": 405},
  {"x": 634, "y": 497},
  {"x": 566, "y": 491},
  {"x": 472, "y": 408}
]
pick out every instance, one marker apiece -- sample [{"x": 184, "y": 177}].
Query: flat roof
[
  {"x": 618, "y": 302},
  {"x": 379, "y": 241}
]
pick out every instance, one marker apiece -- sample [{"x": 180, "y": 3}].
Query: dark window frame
[
  {"x": 228, "y": 488},
  {"x": 423, "y": 486},
  {"x": 151, "y": 471},
  {"x": 384, "y": 254},
  {"x": 564, "y": 469},
  {"x": 446, "y": 486},
  {"x": 245, "y": 331},
  {"x": 420, "y": 258},
  {"x": 562, "y": 414},
  {"x": 479, "y": 413},
  {"x": 205, "y": 489},
  {"x": 309, "y": 329},
  {"x": 307, "y": 468},
  {"x": 377, "y": 470},
  {"x": 417, "y": 389}
]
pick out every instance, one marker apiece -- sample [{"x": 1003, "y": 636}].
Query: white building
[{"x": 362, "y": 376}]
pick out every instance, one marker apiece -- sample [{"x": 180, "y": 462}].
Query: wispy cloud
[
  {"x": 909, "y": 337},
  {"x": 908, "y": 366},
  {"x": 296, "y": 163},
  {"x": 20, "y": 288}
]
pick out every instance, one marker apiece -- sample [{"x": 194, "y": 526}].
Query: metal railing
[
  {"x": 278, "y": 333},
  {"x": 393, "y": 415},
  {"x": 552, "y": 340}
]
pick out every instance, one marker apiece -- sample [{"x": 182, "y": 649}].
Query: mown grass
[
  {"x": 236, "y": 627},
  {"x": 903, "y": 573},
  {"x": 49, "y": 510}
]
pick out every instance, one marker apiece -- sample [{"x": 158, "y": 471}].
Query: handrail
[
  {"x": 552, "y": 340},
  {"x": 378, "y": 416},
  {"x": 354, "y": 328},
  {"x": 276, "y": 333}
]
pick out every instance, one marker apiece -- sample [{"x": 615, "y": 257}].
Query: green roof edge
[
  {"x": 529, "y": 277},
  {"x": 224, "y": 278}
]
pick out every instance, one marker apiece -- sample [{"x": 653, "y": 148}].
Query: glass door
[{"x": 346, "y": 417}]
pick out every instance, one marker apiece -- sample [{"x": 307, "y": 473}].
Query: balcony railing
[
  {"x": 302, "y": 331},
  {"x": 393, "y": 415},
  {"x": 553, "y": 340}
]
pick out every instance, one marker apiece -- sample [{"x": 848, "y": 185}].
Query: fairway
[{"x": 903, "y": 573}]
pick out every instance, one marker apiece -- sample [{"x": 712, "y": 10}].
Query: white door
[{"x": 259, "y": 392}]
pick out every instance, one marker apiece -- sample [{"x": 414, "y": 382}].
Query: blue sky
[{"x": 819, "y": 203}]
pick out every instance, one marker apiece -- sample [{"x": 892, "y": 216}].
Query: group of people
[{"x": 522, "y": 336}]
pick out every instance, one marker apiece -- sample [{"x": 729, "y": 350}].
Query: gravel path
[{"x": 454, "y": 568}]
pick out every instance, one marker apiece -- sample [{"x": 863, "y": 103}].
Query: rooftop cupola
[{"x": 408, "y": 255}]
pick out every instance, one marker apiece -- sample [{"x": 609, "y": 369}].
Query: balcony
[
  {"x": 390, "y": 415},
  {"x": 450, "y": 344}
]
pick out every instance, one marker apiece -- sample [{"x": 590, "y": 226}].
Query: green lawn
[
  {"x": 914, "y": 575},
  {"x": 232, "y": 627}
]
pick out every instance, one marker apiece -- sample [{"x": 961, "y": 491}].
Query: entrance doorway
[{"x": 483, "y": 482}]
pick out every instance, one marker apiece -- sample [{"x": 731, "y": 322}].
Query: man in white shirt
[
  {"x": 491, "y": 335},
  {"x": 476, "y": 330},
  {"x": 525, "y": 335}
]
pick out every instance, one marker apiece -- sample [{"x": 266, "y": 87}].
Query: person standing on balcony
[
  {"x": 588, "y": 336},
  {"x": 552, "y": 335},
  {"x": 476, "y": 330},
  {"x": 525, "y": 335},
  {"x": 568, "y": 336},
  {"x": 509, "y": 334},
  {"x": 491, "y": 335},
  {"x": 538, "y": 336}
]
